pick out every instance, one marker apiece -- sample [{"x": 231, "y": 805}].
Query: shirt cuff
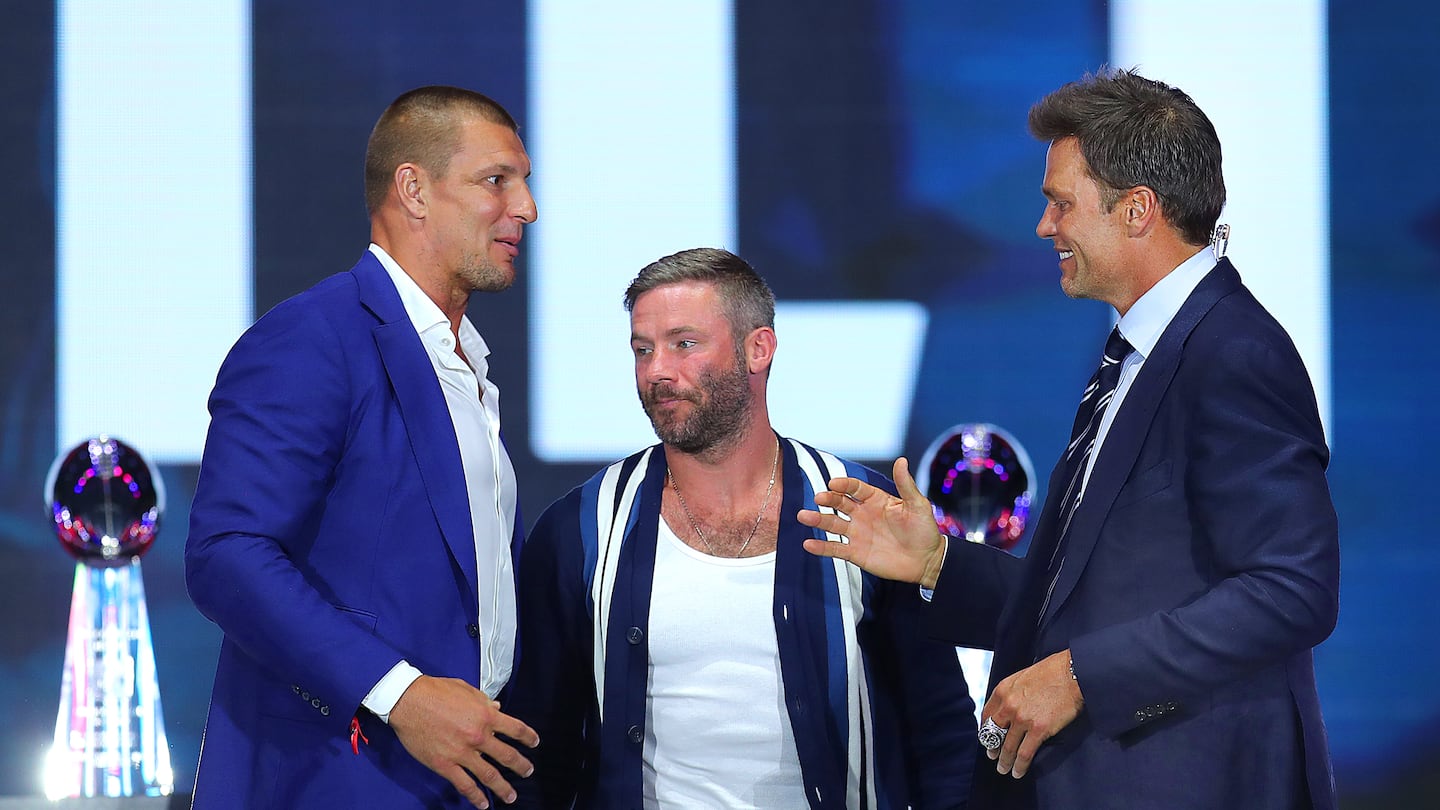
[
  {"x": 928, "y": 594},
  {"x": 385, "y": 694}
]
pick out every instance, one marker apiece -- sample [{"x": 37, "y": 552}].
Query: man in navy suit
[
  {"x": 354, "y": 520},
  {"x": 1153, "y": 649}
]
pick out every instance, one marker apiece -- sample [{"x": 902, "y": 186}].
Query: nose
[
  {"x": 523, "y": 208},
  {"x": 655, "y": 367},
  {"x": 1045, "y": 228}
]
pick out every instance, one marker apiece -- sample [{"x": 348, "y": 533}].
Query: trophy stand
[
  {"x": 110, "y": 731},
  {"x": 977, "y": 477}
]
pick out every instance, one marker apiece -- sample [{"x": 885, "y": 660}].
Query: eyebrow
[
  {"x": 678, "y": 330},
  {"x": 492, "y": 169}
]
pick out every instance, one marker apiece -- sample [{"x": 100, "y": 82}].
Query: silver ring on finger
[{"x": 991, "y": 735}]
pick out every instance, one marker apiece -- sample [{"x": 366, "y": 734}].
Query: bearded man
[{"x": 678, "y": 646}]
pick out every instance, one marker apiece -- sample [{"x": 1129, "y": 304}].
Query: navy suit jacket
[
  {"x": 1201, "y": 568},
  {"x": 330, "y": 537}
]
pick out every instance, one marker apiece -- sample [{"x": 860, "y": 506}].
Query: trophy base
[{"x": 110, "y": 730}]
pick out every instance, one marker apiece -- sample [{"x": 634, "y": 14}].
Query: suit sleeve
[
  {"x": 279, "y": 418},
  {"x": 553, "y": 688},
  {"x": 1260, "y": 511},
  {"x": 973, "y": 587}
]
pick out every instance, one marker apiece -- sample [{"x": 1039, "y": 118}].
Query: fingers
[
  {"x": 846, "y": 490},
  {"x": 506, "y": 754},
  {"x": 466, "y": 785},
  {"x": 1025, "y": 753},
  {"x": 905, "y": 483},
  {"x": 514, "y": 729},
  {"x": 829, "y": 548},
  {"x": 489, "y": 776},
  {"x": 834, "y": 524},
  {"x": 1006, "y": 754}
]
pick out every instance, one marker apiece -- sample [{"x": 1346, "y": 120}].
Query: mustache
[{"x": 660, "y": 391}]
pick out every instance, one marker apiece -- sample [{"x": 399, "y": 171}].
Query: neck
[
  {"x": 1157, "y": 262},
  {"x": 729, "y": 473},
  {"x": 451, "y": 298}
]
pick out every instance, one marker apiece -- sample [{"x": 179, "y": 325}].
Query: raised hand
[
  {"x": 447, "y": 725},
  {"x": 894, "y": 538}
]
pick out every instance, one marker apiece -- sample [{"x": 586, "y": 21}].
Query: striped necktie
[{"x": 1093, "y": 403}]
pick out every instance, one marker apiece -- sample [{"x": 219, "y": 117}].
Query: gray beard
[{"x": 722, "y": 408}]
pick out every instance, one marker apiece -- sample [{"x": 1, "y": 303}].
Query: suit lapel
[
  {"x": 1131, "y": 425},
  {"x": 423, "y": 409}
]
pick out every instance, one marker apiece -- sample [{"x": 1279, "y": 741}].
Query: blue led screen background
[{"x": 880, "y": 154}]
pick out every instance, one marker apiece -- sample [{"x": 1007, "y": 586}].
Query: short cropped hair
[
  {"x": 423, "y": 127},
  {"x": 1135, "y": 131},
  {"x": 746, "y": 300}
]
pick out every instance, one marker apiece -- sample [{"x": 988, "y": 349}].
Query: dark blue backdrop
[{"x": 881, "y": 154}]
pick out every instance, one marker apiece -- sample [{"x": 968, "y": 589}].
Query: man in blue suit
[
  {"x": 1153, "y": 649},
  {"x": 354, "y": 520}
]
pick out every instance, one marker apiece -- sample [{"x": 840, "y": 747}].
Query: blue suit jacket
[
  {"x": 330, "y": 537},
  {"x": 1201, "y": 568},
  {"x": 913, "y": 742}
]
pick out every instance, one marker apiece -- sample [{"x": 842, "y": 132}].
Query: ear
[
  {"x": 760, "y": 350},
  {"x": 409, "y": 186},
  {"x": 1140, "y": 210}
]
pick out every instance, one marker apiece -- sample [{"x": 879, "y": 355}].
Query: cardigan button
[
  {"x": 635, "y": 733},
  {"x": 473, "y": 630},
  {"x": 634, "y": 635}
]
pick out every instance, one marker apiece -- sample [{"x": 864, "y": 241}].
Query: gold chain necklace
[{"x": 769, "y": 490}]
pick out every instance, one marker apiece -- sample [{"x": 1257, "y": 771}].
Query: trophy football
[
  {"x": 977, "y": 477},
  {"x": 106, "y": 501}
]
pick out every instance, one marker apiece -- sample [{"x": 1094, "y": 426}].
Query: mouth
[
  {"x": 511, "y": 245},
  {"x": 1066, "y": 254},
  {"x": 664, "y": 398}
]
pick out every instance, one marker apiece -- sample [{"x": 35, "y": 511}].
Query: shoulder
[
  {"x": 1239, "y": 338},
  {"x": 575, "y": 514},
  {"x": 830, "y": 465},
  {"x": 323, "y": 308}
]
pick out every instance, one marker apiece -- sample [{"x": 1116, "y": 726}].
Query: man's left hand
[{"x": 1034, "y": 704}]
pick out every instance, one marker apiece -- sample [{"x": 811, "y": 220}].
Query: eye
[
  {"x": 685, "y": 344},
  {"x": 642, "y": 351}
]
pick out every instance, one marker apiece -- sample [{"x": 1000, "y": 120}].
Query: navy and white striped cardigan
[{"x": 881, "y": 715}]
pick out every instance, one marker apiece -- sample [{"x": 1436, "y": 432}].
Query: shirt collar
[
  {"x": 424, "y": 313},
  {"x": 1146, "y": 320}
]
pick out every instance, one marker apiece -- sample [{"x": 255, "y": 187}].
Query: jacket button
[
  {"x": 1170, "y": 707},
  {"x": 304, "y": 695},
  {"x": 315, "y": 702},
  {"x": 473, "y": 630},
  {"x": 634, "y": 635},
  {"x": 296, "y": 688},
  {"x": 635, "y": 733},
  {"x": 325, "y": 710},
  {"x": 1140, "y": 715}
]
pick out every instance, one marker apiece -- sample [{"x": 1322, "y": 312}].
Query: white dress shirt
[
  {"x": 1142, "y": 327},
  {"x": 474, "y": 405}
]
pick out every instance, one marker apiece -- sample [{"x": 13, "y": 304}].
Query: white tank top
[{"x": 718, "y": 735}]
